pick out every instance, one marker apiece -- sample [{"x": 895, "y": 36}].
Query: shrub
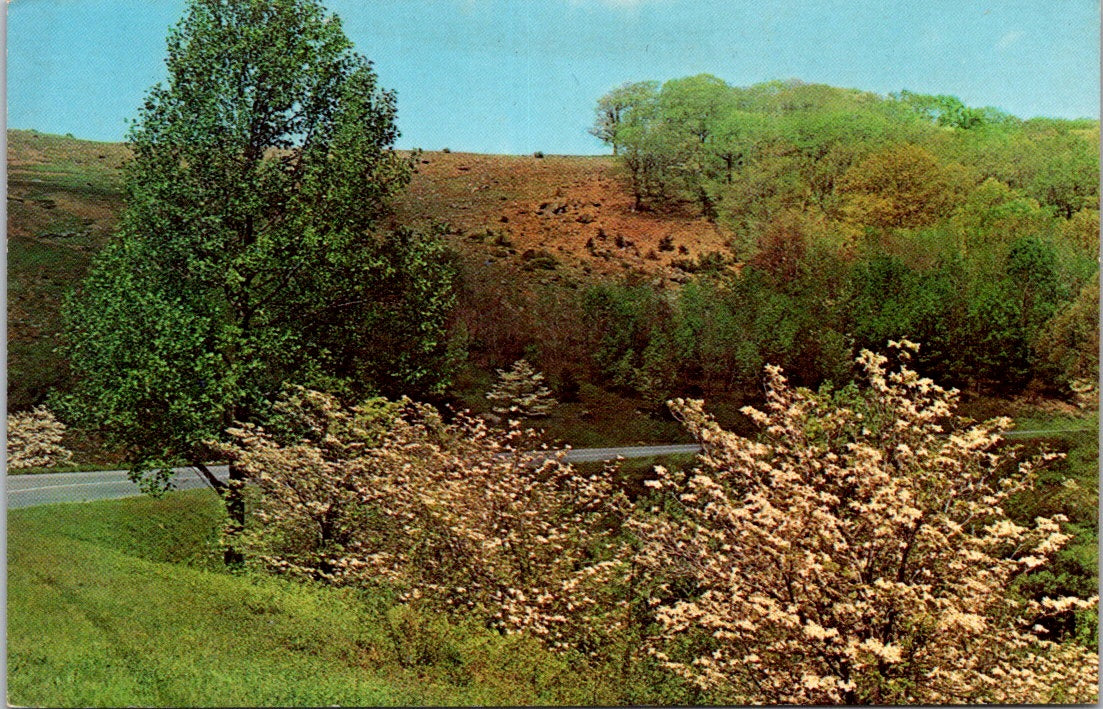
[
  {"x": 476, "y": 521},
  {"x": 858, "y": 553},
  {"x": 34, "y": 440},
  {"x": 534, "y": 259}
]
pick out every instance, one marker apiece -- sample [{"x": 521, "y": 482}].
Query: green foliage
[
  {"x": 860, "y": 161},
  {"x": 1068, "y": 345},
  {"x": 695, "y": 139},
  {"x": 949, "y": 111},
  {"x": 1032, "y": 267},
  {"x": 614, "y": 107},
  {"x": 988, "y": 315},
  {"x": 890, "y": 301},
  {"x": 1065, "y": 173},
  {"x": 904, "y": 186},
  {"x": 716, "y": 333},
  {"x": 623, "y": 318},
  {"x": 861, "y": 218},
  {"x": 994, "y": 213},
  {"x": 246, "y": 257}
]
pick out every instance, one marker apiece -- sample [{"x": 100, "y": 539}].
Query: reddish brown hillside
[{"x": 577, "y": 209}]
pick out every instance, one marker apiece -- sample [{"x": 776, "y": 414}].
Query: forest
[{"x": 854, "y": 219}]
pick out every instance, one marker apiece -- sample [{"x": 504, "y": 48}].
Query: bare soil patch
[{"x": 576, "y": 210}]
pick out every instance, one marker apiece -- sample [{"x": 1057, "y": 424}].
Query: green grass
[
  {"x": 64, "y": 198},
  {"x": 125, "y": 603}
]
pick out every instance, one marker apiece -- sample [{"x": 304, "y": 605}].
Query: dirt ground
[
  {"x": 578, "y": 210},
  {"x": 570, "y": 214}
]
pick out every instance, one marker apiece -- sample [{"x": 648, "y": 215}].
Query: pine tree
[{"x": 521, "y": 392}]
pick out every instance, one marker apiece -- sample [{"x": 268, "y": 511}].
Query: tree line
[
  {"x": 742, "y": 154},
  {"x": 856, "y": 219}
]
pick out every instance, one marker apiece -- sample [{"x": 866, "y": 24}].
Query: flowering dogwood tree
[
  {"x": 857, "y": 553},
  {"x": 473, "y": 519},
  {"x": 34, "y": 440}
]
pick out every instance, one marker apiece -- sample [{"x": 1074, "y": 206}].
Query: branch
[{"x": 216, "y": 484}]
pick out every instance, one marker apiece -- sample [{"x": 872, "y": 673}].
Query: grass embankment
[{"x": 125, "y": 603}]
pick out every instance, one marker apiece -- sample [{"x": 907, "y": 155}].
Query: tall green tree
[
  {"x": 692, "y": 110},
  {"x": 248, "y": 257},
  {"x": 613, "y": 108}
]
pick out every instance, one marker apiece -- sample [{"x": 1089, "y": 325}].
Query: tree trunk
[{"x": 234, "y": 499}]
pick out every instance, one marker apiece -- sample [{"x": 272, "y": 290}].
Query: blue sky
[{"x": 523, "y": 75}]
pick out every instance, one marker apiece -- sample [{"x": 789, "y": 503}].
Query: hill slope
[
  {"x": 123, "y": 603},
  {"x": 65, "y": 198},
  {"x": 578, "y": 208}
]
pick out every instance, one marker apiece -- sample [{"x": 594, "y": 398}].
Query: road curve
[{"x": 49, "y": 488}]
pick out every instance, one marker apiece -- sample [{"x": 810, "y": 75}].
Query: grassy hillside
[
  {"x": 551, "y": 223},
  {"x": 122, "y": 603},
  {"x": 64, "y": 198}
]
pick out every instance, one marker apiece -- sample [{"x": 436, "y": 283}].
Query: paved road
[
  {"x": 47, "y": 488},
  {"x": 589, "y": 455},
  {"x": 31, "y": 490}
]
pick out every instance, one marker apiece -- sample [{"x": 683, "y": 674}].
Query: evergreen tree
[{"x": 521, "y": 392}]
